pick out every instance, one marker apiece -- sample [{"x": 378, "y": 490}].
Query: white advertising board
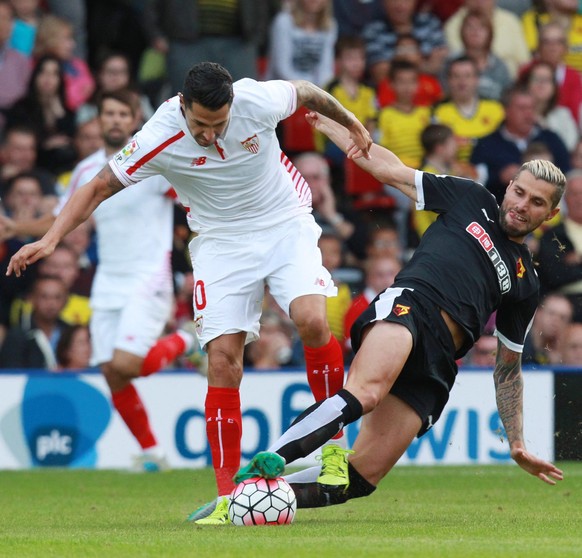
[{"x": 67, "y": 420}]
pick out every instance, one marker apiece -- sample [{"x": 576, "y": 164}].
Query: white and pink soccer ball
[{"x": 259, "y": 501}]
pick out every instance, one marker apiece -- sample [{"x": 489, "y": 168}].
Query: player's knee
[
  {"x": 368, "y": 395},
  {"x": 123, "y": 369},
  {"x": 224, "y": 370},
  {"x": 313, "y": 328}
]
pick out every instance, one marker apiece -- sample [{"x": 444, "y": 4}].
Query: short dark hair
[
  {"x": 401, "y": 66},
  {"x": 126, "y": 97},
  {"x": 463, "y": 59},
  {"x": 208, "y": 84},
  {"x": 433, "y": 135},
  {"x": 349, "y": 42}
]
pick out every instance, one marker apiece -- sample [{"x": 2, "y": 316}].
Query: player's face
[
  {"x": 526, "y": 205},
  {"x": 117, "y": 122},
  {"x": 204, "y": 124}
]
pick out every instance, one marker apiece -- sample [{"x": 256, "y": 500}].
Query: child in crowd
[
  {"x": 429, "y": 89},
  {"x": 55, "y": 37},
  {"x": 401, "y": 123},
  {"x": 350, "y": 90},
  {"x": 302, "y": 42}
]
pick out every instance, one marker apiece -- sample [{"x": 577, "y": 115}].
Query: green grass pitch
[{"x": 418, "y": 511}]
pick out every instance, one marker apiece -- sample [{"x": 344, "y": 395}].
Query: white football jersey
[
  {"x": 134, "y": 235},
  {"x": 243, "y": 182}
]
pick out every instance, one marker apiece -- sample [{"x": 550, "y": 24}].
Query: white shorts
[
  {"x": 230, "y": 275},
  {"x": 134, "y": 328}
]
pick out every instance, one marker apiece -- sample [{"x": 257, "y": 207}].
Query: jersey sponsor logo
[
  {"x": 401, "y": 310},
  {"x": 251, "y": 144},
  {"x": 520, "y": 269},
  {"x": 198, "y": 161},
  {"x": 319, "y": 281},
  {"x": 478, "y": 232},
  {"x": 127, "y": 152}
]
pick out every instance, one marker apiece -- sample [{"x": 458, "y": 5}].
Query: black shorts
[{"x": 430, "y": 370}]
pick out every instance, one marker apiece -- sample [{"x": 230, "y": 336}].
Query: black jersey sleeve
[
  {"x": 513, "y": 321},
  {"x": 440, "y": 192}
]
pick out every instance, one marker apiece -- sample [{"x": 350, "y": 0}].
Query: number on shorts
[{"x": 199, "y": 295}]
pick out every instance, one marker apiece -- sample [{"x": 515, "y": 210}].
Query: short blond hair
[
  {"x": 548, "y": 172},
  {"x": 48, "y": 34}
]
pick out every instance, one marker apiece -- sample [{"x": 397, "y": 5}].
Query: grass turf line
[{"x": 473, "y": 511}]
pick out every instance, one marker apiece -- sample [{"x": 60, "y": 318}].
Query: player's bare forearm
[
  {"x": 316, "y": 99},
  {"x": 509, "y": 393},
  {"x": 382, "y": 165},
  {"x": 78, "y": 209},
  {"x": 84, "y": 201}
]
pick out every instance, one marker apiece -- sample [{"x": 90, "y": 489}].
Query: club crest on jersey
[
  {"x": 251, "y": 144},
  {"x": 127, "y": 151},
  {"x": 520, "y": 269},
  {"x": 401, "y": 310}
]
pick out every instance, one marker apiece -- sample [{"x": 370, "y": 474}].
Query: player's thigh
[
  {"x": 103, "y": 326},
  {"x": 297, "y": 268},
  {"x": 142, "y": 321},
  {"x": 384, "y": 435},
  {"x": 378, "y": 362},
  {"x": 228, "y": 287}
]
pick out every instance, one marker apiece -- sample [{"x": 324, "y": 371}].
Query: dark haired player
[{"x": 215, "y": 143}]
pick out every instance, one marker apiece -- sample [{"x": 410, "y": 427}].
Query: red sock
[
  {"x": 129, "y": 405},
  {"x": 325, "y": 370},
  {"x": 224, "y": 429},
  {"x": 162, "y": 353}
]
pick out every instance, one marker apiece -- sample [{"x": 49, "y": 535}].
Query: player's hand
[
  {"x": 6, "y": 228},
  {"x": 27, "y": 255},
  {"x": 317, "y": 121},
  {"x": 361, "y": 141},
  {"x": 543, "y": 470}
]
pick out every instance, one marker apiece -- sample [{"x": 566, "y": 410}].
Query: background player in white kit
[
  {"x": 132, "y": 292},
  {"x": 251, "y": 210}
]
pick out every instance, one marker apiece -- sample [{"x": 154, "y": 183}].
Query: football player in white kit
[
  {"x": 131, "y": 295},
  {"x": 216, "y": 144}
]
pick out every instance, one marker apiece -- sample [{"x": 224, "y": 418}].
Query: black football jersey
[{"x": 468, "y": 266}]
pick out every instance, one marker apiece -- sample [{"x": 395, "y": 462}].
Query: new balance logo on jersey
[
  {"x": 319, "y": 281},
  {"x": 251, "y": 144},
  {"x": 198, "y": 161},
  {"x": 478, "y": 232}
]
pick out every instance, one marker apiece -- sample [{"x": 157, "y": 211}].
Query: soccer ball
[{"x": 260, "y": 501}]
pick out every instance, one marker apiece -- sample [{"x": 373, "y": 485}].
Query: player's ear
[{"x": 552, "y": 213}]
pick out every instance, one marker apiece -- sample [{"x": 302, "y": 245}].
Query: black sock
[
  {"x": 315, "y": 495},
  {"x": 317, "y": 425}
]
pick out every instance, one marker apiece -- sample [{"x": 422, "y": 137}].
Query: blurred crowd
[{"x": 472, "y": 88}]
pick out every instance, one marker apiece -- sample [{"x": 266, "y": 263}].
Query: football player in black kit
[{"x": 470, "y": 262}]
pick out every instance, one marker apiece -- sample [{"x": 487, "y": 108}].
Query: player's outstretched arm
[
  {"x": 9, "y": 228},
  {"x": 78, "y": 209},
  {"x": 314, "y": 98},
  {"x": 383, "y": 164},
  {"x": 509, "y": 394}
]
